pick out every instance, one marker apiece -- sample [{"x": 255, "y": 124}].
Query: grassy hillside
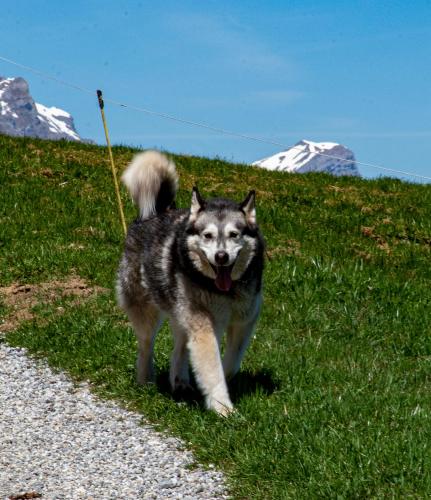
[{"x": 334, "y": 395}]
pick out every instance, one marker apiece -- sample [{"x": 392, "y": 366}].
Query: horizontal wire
[
  {"x": 205, "y": 126},
  {"x": 257, "y": 139},
  {"x": 48, "y": 76}
]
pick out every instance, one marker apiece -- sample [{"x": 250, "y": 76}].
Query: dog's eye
[
  {"x": 233, "y": 234},
  {"x": 208, "y": 236}
]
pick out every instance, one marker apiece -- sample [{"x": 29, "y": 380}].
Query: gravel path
[{"x": 58, "y": 440}]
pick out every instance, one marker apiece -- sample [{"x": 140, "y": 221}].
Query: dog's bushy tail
[{"x": 152, "y": 181}]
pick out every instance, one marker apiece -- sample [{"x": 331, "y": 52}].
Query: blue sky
[{"x": 358, "y": 73}]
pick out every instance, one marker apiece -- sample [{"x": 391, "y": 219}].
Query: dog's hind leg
[
  {"x": 238, "y": 337},
  {"x": 146, "y": 321},
  {"x": 237, "y": 340},
  {"x": 179, "y": 370},
  {"x": 206, "y": 363}
]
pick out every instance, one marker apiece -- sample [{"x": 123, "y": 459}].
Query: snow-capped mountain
[
  {"x": 21, "y": 116},
  {"x": 308, "y": 156}
]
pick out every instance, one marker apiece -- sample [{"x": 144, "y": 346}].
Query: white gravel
[{"x": 60, "y": 441}]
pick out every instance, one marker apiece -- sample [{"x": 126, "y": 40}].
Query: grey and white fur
[{"x": 201, "y": 268}]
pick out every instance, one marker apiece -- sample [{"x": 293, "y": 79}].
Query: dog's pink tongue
[{"x": 223, "y": 279}]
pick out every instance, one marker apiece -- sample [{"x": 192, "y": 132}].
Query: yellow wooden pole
[{"x": 111, "y": 158}]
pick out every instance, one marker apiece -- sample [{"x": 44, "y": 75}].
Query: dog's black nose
[{"x": 221, "y": 257}]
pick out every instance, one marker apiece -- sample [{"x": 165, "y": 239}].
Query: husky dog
[{"x": 201, "y": 268}]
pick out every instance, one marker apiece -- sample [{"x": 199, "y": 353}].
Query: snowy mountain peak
[
  {"x": 308, "y": 156},
  {"x": 21, "y": 116},
  {"x": 59, "y": 121}
]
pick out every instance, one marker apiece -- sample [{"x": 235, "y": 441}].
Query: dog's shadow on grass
[{"x": 244, "y": 384}]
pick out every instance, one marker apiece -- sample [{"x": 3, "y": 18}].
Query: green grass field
[{"x": 334, "y": 393}]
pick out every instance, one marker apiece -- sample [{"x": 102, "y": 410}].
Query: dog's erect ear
[
  {"x": 198, "y": 204},
  {"x": 249, "y": 209}
]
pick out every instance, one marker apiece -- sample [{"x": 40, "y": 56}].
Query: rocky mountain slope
[
  {"x": 21, "y": 116},
  {"x": 308, "y": 156}
]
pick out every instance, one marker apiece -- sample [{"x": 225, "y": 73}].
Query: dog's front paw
[{"x": 222, "y": 408}]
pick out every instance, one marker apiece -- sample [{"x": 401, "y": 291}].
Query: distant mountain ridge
[
  {"x": 308, "y": 156},
  {"x": 20, "y": 116}
]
